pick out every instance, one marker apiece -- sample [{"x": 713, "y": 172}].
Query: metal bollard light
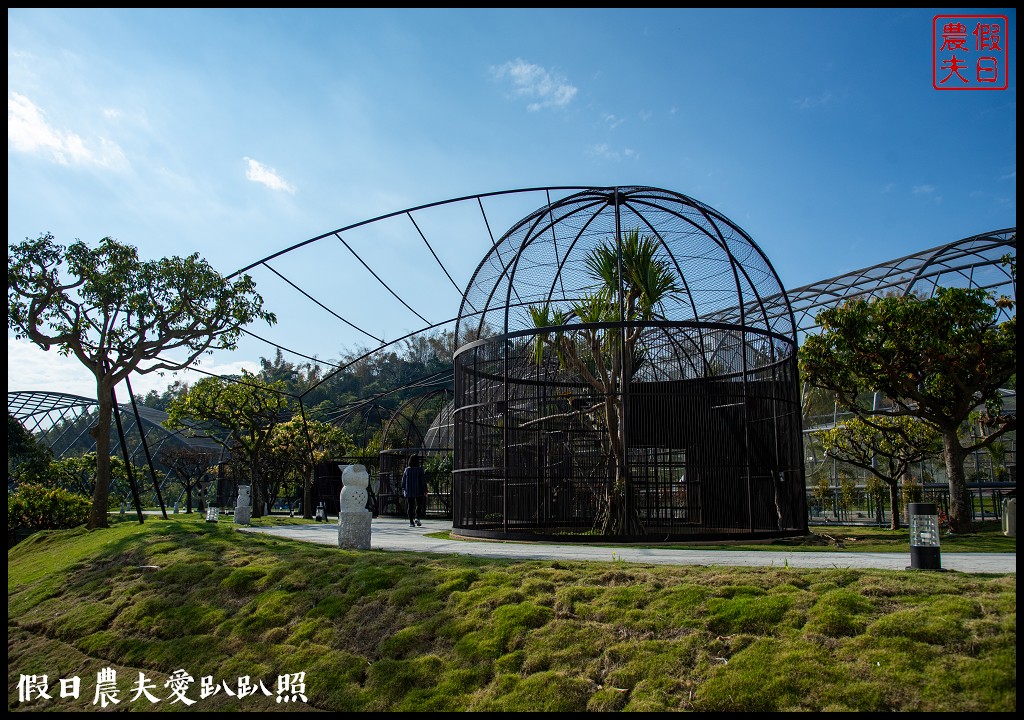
[{"x": 924, "y": 537}]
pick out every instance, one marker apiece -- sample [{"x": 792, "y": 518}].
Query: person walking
[{"x": 414, "y": 489}]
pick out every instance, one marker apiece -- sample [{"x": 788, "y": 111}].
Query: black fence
[
  {"x": 706, "y": 457},
  {"x": 861, "y": 507},
  {"x": 384, "y": 491}
]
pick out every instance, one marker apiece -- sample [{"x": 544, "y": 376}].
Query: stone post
[
  {"x": 354, "y": 518},
  {"x": 243, "y": 506}
]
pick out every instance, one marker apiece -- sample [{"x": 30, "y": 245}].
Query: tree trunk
[
  {"x": 101, "y": 433},
  {"x": 620, "y": 518},
  {"x": 894, "y": 503},
  {"x": 959, "y": 500},
  {"x": 616, "y": 521},
  {"x": 258, "y": 494},
  {"x": 307, "y": 495}
]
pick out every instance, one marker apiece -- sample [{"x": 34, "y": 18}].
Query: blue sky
[{"x": 238, "y": 133}]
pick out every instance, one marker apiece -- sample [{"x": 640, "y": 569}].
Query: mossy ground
[{"x": 393, "y": 631}]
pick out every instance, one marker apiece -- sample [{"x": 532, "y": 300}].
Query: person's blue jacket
[{"x": 414, "y": 482}]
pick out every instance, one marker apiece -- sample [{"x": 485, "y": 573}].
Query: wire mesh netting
[
  {"x": 582, "y": 409},
  {"x": 698, "y": 415}
]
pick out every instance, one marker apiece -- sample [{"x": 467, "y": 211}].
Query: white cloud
[
  {"x": 603, "y": 150},
  {"x": 612, "y": 120},
  {"x": 31, "y": 368},
  {"x": 29, "y": 132},
  {"x": 534, "y": 83},
  {"x": 810, "y": 102},
  {"x": 260, "y": 173},
  {"x": 927, "y": 194}
]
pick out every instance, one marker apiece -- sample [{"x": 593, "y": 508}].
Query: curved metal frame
[
  {"x": 62, "y": 422},
  {"x": 527, "y": 451},
  {"x": 403, "y": 437},
  {"x": 973, "y": 261},
  {"x": 55, "y": 417}
]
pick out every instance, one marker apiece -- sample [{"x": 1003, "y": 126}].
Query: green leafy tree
[
  {"x": 818, "y": 406},
  {"x": 631, "y": 283},
  {"x": 822, "y": 491},
  {"x": 190, "y": 466},
  {"x": 884, "y": 446},
  {"x": 241, "y": 415},
  {"x": 877, "y": 491},
  {"x": 118, "y": 314},
  {"x": 997, "y": 453},
  {"x": 935, "y": 359},
  {"x": 847, "y": 493},
  {"x": 439, "y": 467},
  {"x": 160, "y": 400},
  {"x": 910, "y": 492},
  {"x": 301, "y": 444},
  {"x": 77, "y": 474},
  {"x": 372, "y": 448},
  {"x": 27, "y": 458}
]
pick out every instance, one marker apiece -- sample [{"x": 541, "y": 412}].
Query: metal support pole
[
  {"x": 145, "y": 447},
  {"x": 127, "y": 456}
]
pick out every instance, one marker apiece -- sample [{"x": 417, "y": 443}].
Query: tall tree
[
  {"x": 160, "y": 400},
  {"x": 242, "y": 416},
  {"x": 118, "y": 314},
  {"x": 301, "y": 445},
  {"x": 936, "y": 359},
  {"x": 190, "y": 466},
  {"x": 27, "y": 458},
  {"x": 77, "y": 474},
  {"x": 632, "y": 281},
  {"x": 887, "y": 447}
]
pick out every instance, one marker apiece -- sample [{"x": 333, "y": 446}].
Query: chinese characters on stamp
[{"x": 969, "y": 52}]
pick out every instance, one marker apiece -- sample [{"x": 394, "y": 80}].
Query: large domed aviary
[{"x": 627, "y": 370}]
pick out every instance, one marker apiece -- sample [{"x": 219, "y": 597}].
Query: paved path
[{"x": 387, "y": 533}]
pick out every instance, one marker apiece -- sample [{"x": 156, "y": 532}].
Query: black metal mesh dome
[
  {"x": 438, "y": 437},
  {"x": 583, "y": 409},
  {"x": 724, "y": 275}
]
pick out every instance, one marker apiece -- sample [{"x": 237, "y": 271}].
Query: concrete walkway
[{"x": 388, "y": 533}]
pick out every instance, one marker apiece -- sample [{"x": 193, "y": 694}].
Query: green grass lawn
[{"x": 393, "y": 631}]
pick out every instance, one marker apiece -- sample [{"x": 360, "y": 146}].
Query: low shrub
[{"x": 33, "y": 507}]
